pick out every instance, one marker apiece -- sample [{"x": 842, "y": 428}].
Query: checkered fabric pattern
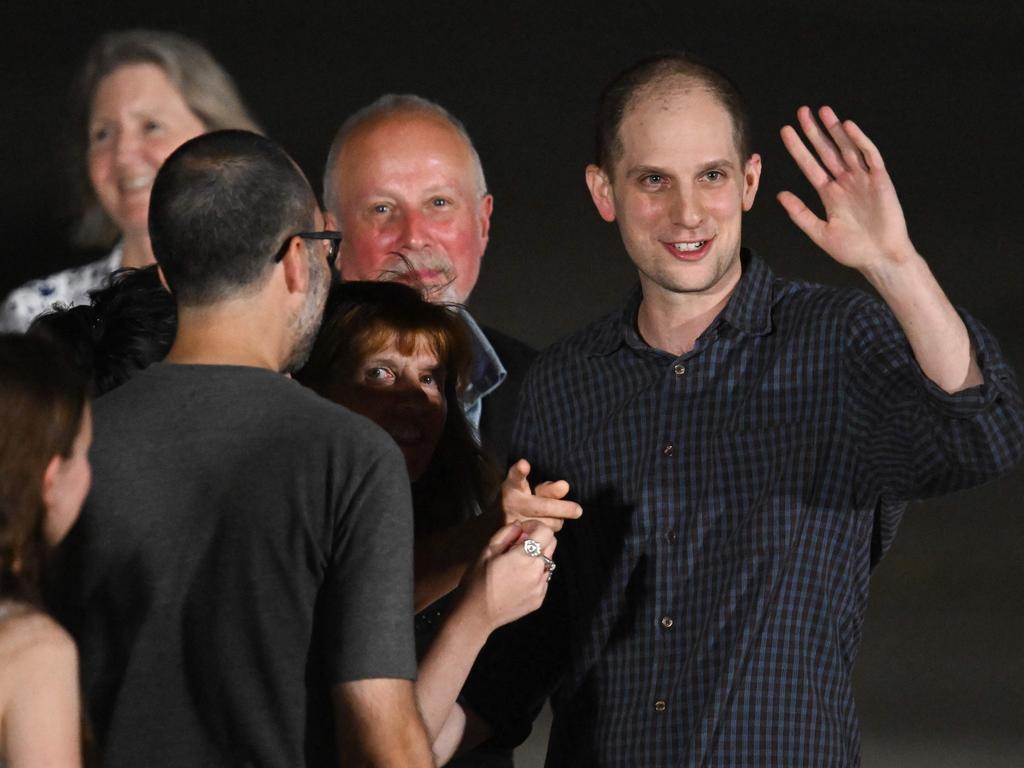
[{"x": 707, "y": 608}]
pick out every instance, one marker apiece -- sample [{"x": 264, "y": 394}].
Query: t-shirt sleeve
[{"x": 366, "y": 602}]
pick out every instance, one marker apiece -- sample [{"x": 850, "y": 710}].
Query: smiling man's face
[
  {"x": 678, "y": 191},
  {"x": 411, "y": 206}
]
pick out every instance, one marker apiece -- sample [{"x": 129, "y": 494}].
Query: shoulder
[
  {"x": 70, "y": 286},
  {"x": 32, "y": 644}
]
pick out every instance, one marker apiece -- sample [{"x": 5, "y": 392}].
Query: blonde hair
[{"x": 206, "y": 87}]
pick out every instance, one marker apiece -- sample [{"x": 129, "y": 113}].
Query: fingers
[
  {"x": 504, "y": 538},
  {"x": 552, "y": 489},
  {"x": 802, "y": 216},
  {"x": 518, "y": 473},
  {"x": 852, "y": 157},
  {"x": 536, "y": 530},
  {"x": 805, "y": 161},
  {"x": 823, "y": 145},
  {"x": 872, "y": 157}
]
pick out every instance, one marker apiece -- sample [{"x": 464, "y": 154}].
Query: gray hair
[
  {"x": 394, "y": 104},
  {"x": 207, "y": 89}
]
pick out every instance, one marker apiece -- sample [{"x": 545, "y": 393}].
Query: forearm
[
  {"x": 377, "y": 725},
  {"x": 936, "y": 333},
  {"x": 444, "y": 669}
]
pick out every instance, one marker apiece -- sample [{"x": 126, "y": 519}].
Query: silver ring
[
  {"x": 532, "y": 548},
  {"x": 549, "y": 563}
]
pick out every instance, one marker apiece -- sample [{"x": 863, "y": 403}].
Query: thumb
[{"x": 503, "y": 539}]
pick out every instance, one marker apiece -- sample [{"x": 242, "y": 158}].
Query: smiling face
[
  {"x": 403, "y": 393},
  {"x": 678, "y": 192},
  {"x": 410, "y": 203},
  {"x": 137, "y": 118}
]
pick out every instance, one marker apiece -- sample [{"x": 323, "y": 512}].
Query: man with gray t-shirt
[{"x": 240, "y": 580}]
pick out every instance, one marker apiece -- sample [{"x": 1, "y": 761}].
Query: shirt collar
[
  {"x": 748, "y": 309},
  {"x": 486, "y": 371}
]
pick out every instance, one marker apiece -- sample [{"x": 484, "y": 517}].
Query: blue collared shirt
[
  {"x": 708, "y": 606},
  {"x": 486, "y": 375}
]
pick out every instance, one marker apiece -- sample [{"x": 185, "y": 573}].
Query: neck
[
  {"x": 674, "y": 321},
  {"x": 233, "y": 332},
  {"x": 136, "y": 251}
]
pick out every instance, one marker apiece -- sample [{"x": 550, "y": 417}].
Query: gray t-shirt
[{"x": 246, "y": 546}]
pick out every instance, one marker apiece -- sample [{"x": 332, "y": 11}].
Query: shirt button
[
  {"x": 679, "y": 368},
  {"x": 666, "y": 622},
  {"x": 660, "y": 705},
  {"x": 669, "y": 449},
  {"x": 670, "y": 536}
]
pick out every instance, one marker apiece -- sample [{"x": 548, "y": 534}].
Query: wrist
[{"x": 896, "y": 270}]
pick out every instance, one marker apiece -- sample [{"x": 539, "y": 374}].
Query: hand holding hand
[
  {"x": 506, "y": 583},
  {"x": 864, "y": 226},
  {"x": 546, "y": 503}
]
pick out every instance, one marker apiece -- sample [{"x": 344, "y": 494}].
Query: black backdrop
[{"x": 936, "y": 84}]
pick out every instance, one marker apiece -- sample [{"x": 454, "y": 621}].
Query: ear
[
  {"x": 486, "y": 209},
  {"x": 296, "y": 267},
  {"x": 601, "y": 192},
  {"x": 331, "y": 221},
  {"x": 751, "y": 180},
  {"x": 50, "y": 480}
]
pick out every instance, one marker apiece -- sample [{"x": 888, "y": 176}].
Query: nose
[
  {"x": 126, "y": 147},
  {"x": 414, "y": 231},
  {"x": 687, "y": 209}
]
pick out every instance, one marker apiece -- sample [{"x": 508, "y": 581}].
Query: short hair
[
  {"x": 652, "y": 73},
  {"x": 385, "y": 106},
  {"x": 129, "y": 324},
  {"x": 42, "y": 402},
  {"x": 222, "y": 205},
  {"x": 205, "y": 86},
  {"x": 363, "y": 317}
]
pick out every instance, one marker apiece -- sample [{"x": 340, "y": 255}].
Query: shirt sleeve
[
  {"x": 913, "y": 439},
  {"x": 366, "y": 602}
]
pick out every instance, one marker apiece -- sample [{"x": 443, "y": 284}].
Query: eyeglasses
[{"x": 333, "y": 236}]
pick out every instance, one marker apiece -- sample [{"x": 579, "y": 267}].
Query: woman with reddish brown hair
[{"x": 44, "y": 478}]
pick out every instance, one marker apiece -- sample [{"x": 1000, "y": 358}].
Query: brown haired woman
[
  {"x": 388, "y": 354},
  {"x": 44, "y": 478}
]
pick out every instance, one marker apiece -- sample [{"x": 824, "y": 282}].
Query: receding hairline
[{"x": 392, "y": 108}]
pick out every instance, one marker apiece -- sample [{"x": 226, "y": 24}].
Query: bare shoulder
[{"x": 32, "y": 643}]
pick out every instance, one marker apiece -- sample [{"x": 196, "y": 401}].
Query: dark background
[{"x": 936, "y": 84}]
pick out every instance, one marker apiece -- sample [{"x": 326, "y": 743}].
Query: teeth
[{"x": 690, "y": 246}]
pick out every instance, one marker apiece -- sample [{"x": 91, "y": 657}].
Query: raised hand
[
  {"x": 546, "y": 503},
  {"x": 864, "y": 226}
]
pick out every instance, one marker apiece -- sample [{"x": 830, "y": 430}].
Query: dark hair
[
  {"x": 363, "y": 317},
  {"x": 222, "y": 205},
  {"x": 128, "y": 325},
  {"x": 205, "y": 86},
  {"x": 42, "y": 401},
  {"x": 621, "y": 94}
]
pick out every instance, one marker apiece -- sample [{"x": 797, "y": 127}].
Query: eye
[
  {"x": 440, "y": 202},
  {"x": 378, "y": 374},
  {"x": 652, "y": 180},
  {"x": 151, "y": 126},
  {"x": 714, "y": 175},
  {"x": 381, "y": 208},
  {"x": 99, "y": 135}
]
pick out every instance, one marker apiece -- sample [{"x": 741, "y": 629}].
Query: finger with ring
[{"x": 532, "y": 548}]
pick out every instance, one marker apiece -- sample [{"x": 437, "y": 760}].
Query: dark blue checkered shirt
[{"x": 707, "y": 608}]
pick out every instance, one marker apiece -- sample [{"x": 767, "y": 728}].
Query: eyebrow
[{"x": 707, "y": 166}]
